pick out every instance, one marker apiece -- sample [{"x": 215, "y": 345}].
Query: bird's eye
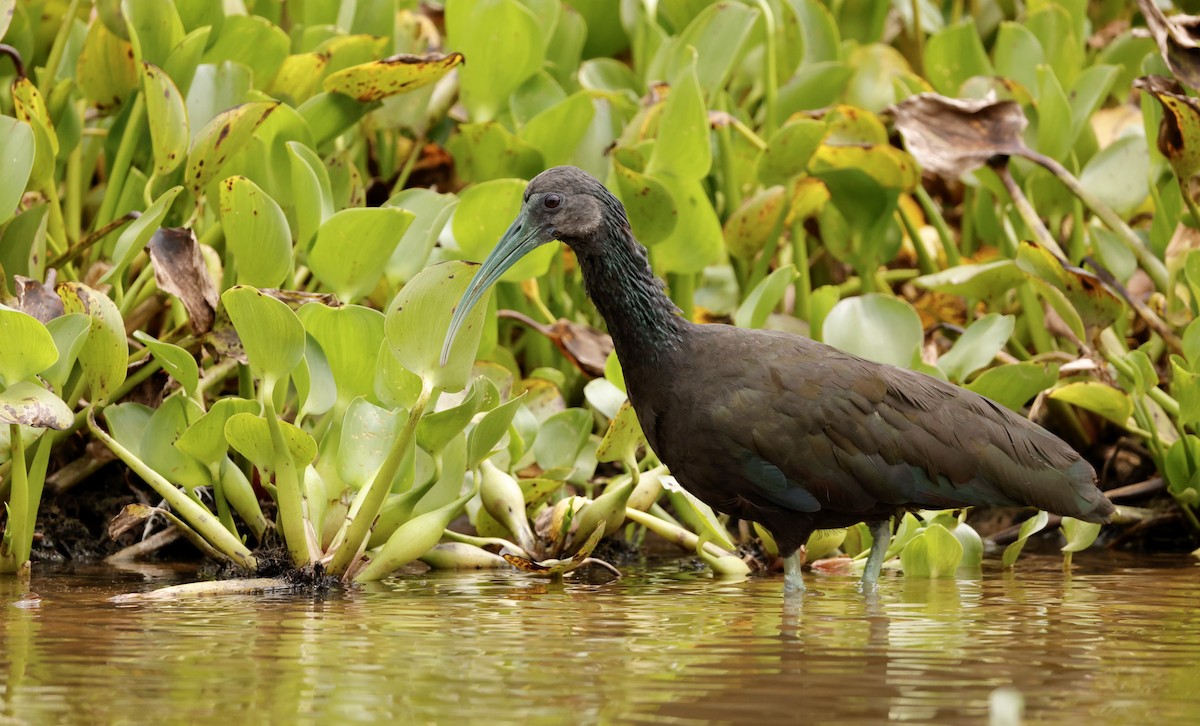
[{"x": 552, "y": 201}]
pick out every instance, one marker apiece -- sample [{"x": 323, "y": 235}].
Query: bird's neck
[{"x": 644, "y": 324}]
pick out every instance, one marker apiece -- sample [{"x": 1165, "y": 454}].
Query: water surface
[{"x": 1117, "y": 641}]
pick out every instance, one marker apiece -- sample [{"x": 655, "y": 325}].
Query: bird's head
[{"x": 563, "y": 203}]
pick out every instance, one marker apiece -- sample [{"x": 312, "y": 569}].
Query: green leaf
[
  {"x": 299, "y": 77},
  {"x": 1080, "y": 535},
  {"x": 257, "y": 233},
  {"x": 167, "y": 116},
  {"x": 205, "y": 437},
  {"x": 250, "y": 436},
  {"x": 558, "y": 131},
  {"x": 329, "y": 115},
  {"x": 70, "y": 333},
  {"x": 271, "y": 334},
  {"x": 486, "y": 151},
  {"x": 312, "y": 194},
  {"x": 648, "y": 204},
  {"x": 154, "y": 28},
  {"x": 350, "y": 337},
  {"x": 412, "y": 539},
  {"x": 789, "y": 150},
  {"x": 561, "y": 437},
  {"x": 682, "y": 148},
  {"x": 252, "y": 40},
  {"x": 877, "y": 327},
  {"x": 696, "y": 241},
  {"x": 183, "y": 63},
  {"x": 935, "y": 552},
  {"x": 222, "y": 137},
  {"x": 977, "y": 346},
  {"x": 1018, "y": 54},
  {"x": 1099, "y": 398},
  {"x": 431, "y": 211},
  {"x": 492, "y": 427},
  {"x": 1012, "y": 385},
  {"x": 1054, "y": 116},
  {"x": 419, "y": 316},
  {"x": 28, "y": 404},
  {"x": 176, "y": 361},
  {"x": 1089, "y": 300},
  {"x": 135, "y": 236},
  {"x": 765, "y": 296},
  {"x": 104, "y": 71},
  {"x": 980, "y": 281},
  {"x": 823, "y": 543},
  {"x": 168, "y": 423},
  {"x": 316, "y": 391},
  {"x": 623, "y": 437},
  {"x": 1117, "y": 175},
  {"x": 105, "y": 355},
  {"x": 702, "y": 516},
  {"x": 35, "y": 353},
  {"x": 395, "y": 385},
  {"x": 1032, "y": 526},
  {"x": 717, "y": 35},
  {"x": 16, "y": 157},
  {"x": 753, "y": 223},
  {"x": 214, "y": 89},
  {"x": 353, "y": 247},
  {"x": 367, "y": 435},
  {"x": 436, "y": 430},
  {"x": 372, "y": 81},
  {"x": 504, "y": 42},
  {"x": 954, "y": 55}
]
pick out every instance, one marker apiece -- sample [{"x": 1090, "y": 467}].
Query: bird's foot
[{"x": 793, "y": 579}]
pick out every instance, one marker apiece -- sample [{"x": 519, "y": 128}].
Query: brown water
[{"x": 1118, "y": 641}]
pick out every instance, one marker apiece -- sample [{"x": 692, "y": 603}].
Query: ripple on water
[{"x": 1112, "y": 644}]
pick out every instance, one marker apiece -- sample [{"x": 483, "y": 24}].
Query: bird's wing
[{"x": 815, "y": 428}]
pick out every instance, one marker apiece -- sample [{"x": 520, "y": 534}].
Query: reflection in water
[{"x": 1108, "y": 644}]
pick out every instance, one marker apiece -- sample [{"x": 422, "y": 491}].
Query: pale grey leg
[
  {"x": 881, "y": 535},
  {"x": 793, "y": 581}
]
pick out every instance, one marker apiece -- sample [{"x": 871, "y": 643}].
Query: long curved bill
[{"x": 518, "y": 241}]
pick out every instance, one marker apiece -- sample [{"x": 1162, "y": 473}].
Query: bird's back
[{"x": 782, "y": 429}]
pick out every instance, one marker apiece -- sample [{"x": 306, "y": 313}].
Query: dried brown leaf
[
  {"x": 179, "y": 269},
  {"x": 38, "y": 299},
  {"x": 951, "y": 136},
  {"x": 583, "y": 345},
  {"x": 1176, "y": 39},
  {"x": 1179, "y": 130}
]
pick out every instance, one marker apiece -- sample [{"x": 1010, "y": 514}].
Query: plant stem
[
  {"x": 803, "y": 282},
  {"x": 683, "y": 291},
  {"x": 287, "y": 485},
  {"x": 360, "y": 526},
  {"x": 1036, "y": 318},
  {"x": 196, "y": 515},
  {"x": 54, "y": 60},
  {"x": 934, "y": 215},
  {"x": 1027, "y": 213},
  {"x": 924, "y": 262},
  {"x": 120, "y": 166},
  {"x": 16, "y": 534},
  {"x": 1153, "y": 266},
  {"x": 771, "y": 82}
]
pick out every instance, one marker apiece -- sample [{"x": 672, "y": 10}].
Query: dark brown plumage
[{"x": 780, "y": 429}]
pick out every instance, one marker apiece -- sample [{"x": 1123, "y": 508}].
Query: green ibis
[{"x": 780, "y": 429}]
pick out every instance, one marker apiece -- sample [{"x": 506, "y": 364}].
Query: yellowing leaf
[{"x": 397, "y": 74}]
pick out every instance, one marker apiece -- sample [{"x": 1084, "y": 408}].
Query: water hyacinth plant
[{"x": 232, "y": 238}]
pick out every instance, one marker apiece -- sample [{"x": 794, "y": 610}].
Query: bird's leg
[
  {"x": 793, "y": 581},
  {"x": 881, "y": 537}
]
